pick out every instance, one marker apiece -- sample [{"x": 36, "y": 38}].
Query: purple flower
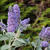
[
  {"x": 44, "y": 44},
  {"x": 45, "y": 33},
  {"x": 2, "y": 26},
  {"x": 24, "y": 24},
  {"x": 13, "y": 18},
  {"x": 42, "y": 32},
  {"x": 16, "y": 10},
  {"x": 25, "y": 21},
  {"x": 11, "y": 28}
]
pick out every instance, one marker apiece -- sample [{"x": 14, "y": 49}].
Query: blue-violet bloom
[
  {"x": 44, "y": 44},
  {"x": 2, "y": 26},
  {"x": 13, "y": 18}
]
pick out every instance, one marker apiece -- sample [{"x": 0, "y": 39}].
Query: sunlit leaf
[{"x": 5, "y": 47}]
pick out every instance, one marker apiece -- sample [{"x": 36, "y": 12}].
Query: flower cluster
[
  {"x": 24, "y": 24},
  {"x": 44, "y": 44},
  {"x": 13, "y": 18},
  {"x": 45, "y": 33},
  {"x": 16, "y": 10},
  {"x": 41, "y": 34},
  {"x": 25, "y": 21},
  {"x": 2, "y": 26}
]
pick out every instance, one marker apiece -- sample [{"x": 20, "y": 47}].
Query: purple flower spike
[
  {"x": 24, "y": 24},
  {"x": 13, "y": 18},
  {"x": 2, "y": 26},
  {"x": 44, "y": 44},
  {"x": 16, "y": 10},
  {"x": 42, "y": 32},
  {"x": 45, "y": 33},
  {"x": 25, "y": 21}
]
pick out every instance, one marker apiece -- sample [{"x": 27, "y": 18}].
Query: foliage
[{"x": 39, "y": 17}]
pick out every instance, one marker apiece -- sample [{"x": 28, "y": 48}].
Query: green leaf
[
  {"x": 21, "y": 40},
  {"x": 38, "y": 42},
  {"x": 38, "y": 48},
  {"x": 0, "y": 48},
  {"x": 3, "y": 16},
  {"x": 27, "y": 10},
  {"x": 10, "y": 35},
  {"x": 4, "y": 37},
  {"x": 5, "y": 7},
  {"x": 3, "y": 1},
  {"x": 48, "y": 48},
  {"x": 0, "y": 35},
  {"x": 13, "y": 48},
  {"x": 18, "y": 42},
  {"x": 5, "y": 47},
  {"x": 45, "y": 12},
  {"x": 33, "y": 44},
  {"x": 18, "y": 33}
]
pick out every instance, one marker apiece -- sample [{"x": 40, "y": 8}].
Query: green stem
[
  {"x": 9, "y": 45},
  {"x": 35, "y": 21},
  {"x": 3, "y": 34},
  {"x": 34, "y": 48},
  {"x": 1, "y": 21}
]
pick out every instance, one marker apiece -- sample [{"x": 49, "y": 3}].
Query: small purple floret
[
  {"x": 25, "y": 21},
  {"x": 2, "y": 26},
  {"x": 44, "y": 44}
]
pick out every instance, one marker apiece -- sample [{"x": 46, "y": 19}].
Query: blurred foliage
[{"x": 37, "y": 10}]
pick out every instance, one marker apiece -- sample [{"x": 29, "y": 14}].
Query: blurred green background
[{"x": 37, "y": 10}]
